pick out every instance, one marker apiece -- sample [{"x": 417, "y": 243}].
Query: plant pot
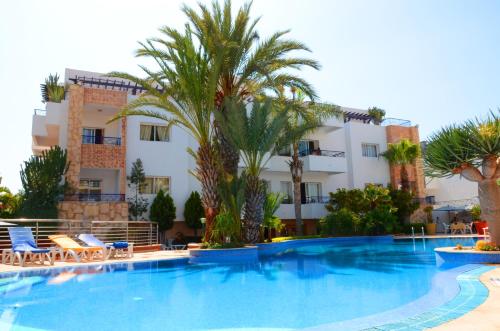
[
  {"x": 430, "y": 228},
  {"x": 480, "y": 225}
]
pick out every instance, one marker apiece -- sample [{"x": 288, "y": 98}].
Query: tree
[
  {"x": 193, "y": 212},
  {"x": 137, "y": 205},
  {"x": 401, "y": 154},
  {"x": 255, "y": 133},
  {"x": 405, "y": 204},
  {"x": 304, "y": 118},
  {"x": 250, "y": 65},
  {"x": 271, "y": 205},
  {"x": 52, "y": 91},
  {"x": 471, "y": 150},
  {"x": 163, "y": 211},
  {"x": 181, "y": 91},
  {"x": 9, "y": 203},
  {"x": 42, "y": 181}
]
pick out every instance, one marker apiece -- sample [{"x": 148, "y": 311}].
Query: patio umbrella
[{"x": 449, "y": 209}]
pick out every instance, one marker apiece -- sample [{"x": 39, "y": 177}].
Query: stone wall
[
  {"x": 105, "y": 97},
  {"x": 395, "y": 133},
  {"x": 102, "y": 156},
  {"x": 93, "y": 211}
]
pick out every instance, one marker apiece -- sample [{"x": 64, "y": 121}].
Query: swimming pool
[{"x": 326, "y": 284}]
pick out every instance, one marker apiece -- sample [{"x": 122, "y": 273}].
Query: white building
[{"x": 343, "y": 153}]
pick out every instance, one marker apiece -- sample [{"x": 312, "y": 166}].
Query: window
[
  {"x": 154, "y": 184},
  {"x": 154, "y": 132},
  {"x": 285, "y": 151},
  {"x": 369, "y": 150},
  {"x": 286, "y": 189},
  {"x": 313, "y": 192},
  {"x": 267, "y": 185},
  {"x": 92, "y": 136},
  {"x": 90, "y": 187}
]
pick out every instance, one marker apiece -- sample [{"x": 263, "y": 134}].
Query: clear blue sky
[{"x": 433, "y": 62}]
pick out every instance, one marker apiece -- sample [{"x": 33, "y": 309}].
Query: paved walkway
[
  {"x": 143, "y": 256},
  {"x": 486, "y": 317}
]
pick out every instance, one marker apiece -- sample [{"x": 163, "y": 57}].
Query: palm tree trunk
[
  {"x": 254, "y": 209},
  {"x": 229, "y": 154},
  {"x": 489, "y": 198},
  {"x": 207, "y": 174},
  {"x": 296, "y": 168},
  {"x": 405, "y": 182}
]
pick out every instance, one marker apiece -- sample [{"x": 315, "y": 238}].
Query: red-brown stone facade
[
  {"x": 99, "y": 156},
  {"x": 395, "y": 133}
]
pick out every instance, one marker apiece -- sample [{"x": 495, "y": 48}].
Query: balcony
[
  {"x": 92, "y": 197},
  {"x": 99, "y": 140},
  {"x": 324, "y": 161},
  {"x": 308, "y": 200}
]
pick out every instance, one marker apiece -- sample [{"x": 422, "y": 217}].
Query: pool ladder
[{"x": 413, "y": 237}]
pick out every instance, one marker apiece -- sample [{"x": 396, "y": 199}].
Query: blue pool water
[{"x": 302, "y": 287}]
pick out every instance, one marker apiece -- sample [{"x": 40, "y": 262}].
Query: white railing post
[
  {"x": 36, "y": 232},
  {"x": 150, "y": 233}
]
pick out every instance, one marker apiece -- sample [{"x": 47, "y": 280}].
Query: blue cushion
[{"x": 120, "y": 244}]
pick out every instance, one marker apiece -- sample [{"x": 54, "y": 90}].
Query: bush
[
  {"x": 193, "y": 212},
  {"x": 380, "y": 220},
  {"x": 342, "y": 222},
  {"x": 404, "y": 202},
  {"x": 352, "y": 200},
  {"x": 163, "y": 211},
  {"x": 226, "y": 231}
]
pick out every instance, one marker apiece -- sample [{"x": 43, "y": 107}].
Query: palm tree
[
  {"x": 401, "y": 154},
  {"x": 255, "y": 134},
  {"x": 181, "y": 91},
  {"x": 471, "y": 150},
  {"x": 305, "y": 117},
  {"x": 250, "y": 66}
]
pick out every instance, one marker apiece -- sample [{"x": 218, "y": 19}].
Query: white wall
[
  {"x": 363, "y": 170},
  {"x": 450, "y": 189},
  {"x": 163, "y": 159}
]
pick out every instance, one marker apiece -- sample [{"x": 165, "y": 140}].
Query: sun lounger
[
  {"x": 24, "y": 247},
  {"x": 121, "y": 248},
  {"x": 75, "y": 250}
]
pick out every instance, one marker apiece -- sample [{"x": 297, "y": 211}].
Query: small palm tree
[
  {"x": 471, "y": 150},
  {"x": 250, "y": 65},
  {"x": 401, "y": 154},
  {"x": 304, "y": 118},
  {"x": 181, "y": 91},
  {"x": 255, "y": 134}
]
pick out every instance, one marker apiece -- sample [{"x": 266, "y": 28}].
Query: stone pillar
[
  {"x": 74, "y": 144},
  {"x": 395, "y": 133}
]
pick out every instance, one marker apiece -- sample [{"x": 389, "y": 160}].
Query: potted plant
[
  {"x": 475, "y": 212},
  {"x": 377, "y": 114},
  {"x": 430, "y": 226}
]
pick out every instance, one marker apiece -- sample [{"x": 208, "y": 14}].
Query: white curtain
[
  {"x": 146, "y": 132},
  {"x": 162, "y": 132}
]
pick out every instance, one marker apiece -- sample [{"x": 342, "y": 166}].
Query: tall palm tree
[
  {"x": 180, "y": 91},
  {"x": 471, "y": 150},
  {"x": 402, "y": 154},
  {"x": 250, "y": 65},
  {"x": 304, "y": 118},
  {"x": 255, "y": 134}
]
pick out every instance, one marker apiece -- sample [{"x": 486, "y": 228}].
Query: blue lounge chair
[
  {"x": 122, "y": 248},
  {"x": 24, "y": 247}
]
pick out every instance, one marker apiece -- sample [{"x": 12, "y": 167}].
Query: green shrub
[
  {"x": 193, "y": 212},
  {"x": 342, "y": 222},
  {"x": 404, "y": 203},
  {"x": 352, "y": 200},
  {"x": 163, "y": 211},
  {"x": 226, "y": 231},
  {"x": 378, "y": 221},
  {"x": 281, "y": 239}
]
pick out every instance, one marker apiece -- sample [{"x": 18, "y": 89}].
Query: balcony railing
[
  {"x": 94, "y": 197},
  {"x": 317, "y": 199},
  {"x": 307, "y": 200},
  {"x": 322, "y": 152},
  {"x": 97, "y": 140},
  {"x": 395, "y": 121},
  {"x": 40, "y": 112}
]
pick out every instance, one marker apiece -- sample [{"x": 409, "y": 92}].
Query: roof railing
[
  {"x": 396, "y": 121},
  {"x": 40, "y": 112}
]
